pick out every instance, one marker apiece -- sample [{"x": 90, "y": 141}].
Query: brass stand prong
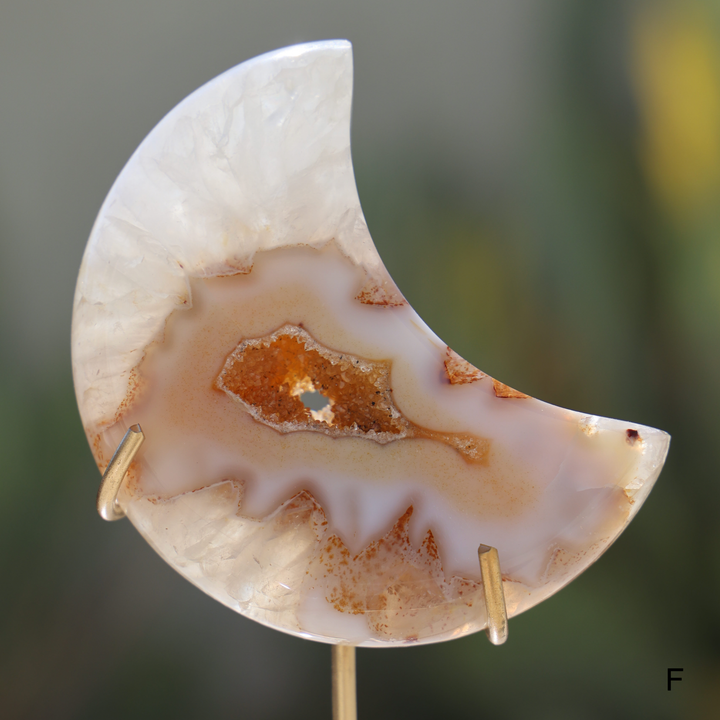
[
  {"x": 497, "y": 627},
  {"x": 344, "y": 701},
  {"x": 112, "y": 479}
]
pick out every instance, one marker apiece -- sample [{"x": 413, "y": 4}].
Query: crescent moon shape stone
[{"x": 230, "y": 272}]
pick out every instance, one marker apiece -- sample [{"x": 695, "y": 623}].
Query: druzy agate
[{"x": 230, "y": 273}]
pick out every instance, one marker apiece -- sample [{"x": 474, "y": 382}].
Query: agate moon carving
[{"x": 229, "y": 273}]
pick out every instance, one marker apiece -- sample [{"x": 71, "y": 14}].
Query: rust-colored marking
[
  {"x": 131, "y": 395},
  {"x": 399, "y": 589},
  {"x": 459, "y": 371},
  {"x": 632, "y": 436},
  {"x": 504, "y": 391},
  {"x": 269, "y": 375},
  {"x": 228, "y": 267},
  {"x": 96, "y": 445},
  {"x": 382, "y": 293}
]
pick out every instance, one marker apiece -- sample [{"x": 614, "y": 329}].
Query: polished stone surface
[{"x": 229, "y": 274}]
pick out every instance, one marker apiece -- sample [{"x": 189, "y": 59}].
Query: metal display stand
[{"x": 344, "y": 699}]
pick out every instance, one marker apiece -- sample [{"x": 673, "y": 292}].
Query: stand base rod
[{"x": 344, "y": 701}]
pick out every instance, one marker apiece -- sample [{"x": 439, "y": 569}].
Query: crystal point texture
[{"x": 229, "y": 274}]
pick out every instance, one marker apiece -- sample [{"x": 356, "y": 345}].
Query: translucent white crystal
[{"x": 229, "y": 272}]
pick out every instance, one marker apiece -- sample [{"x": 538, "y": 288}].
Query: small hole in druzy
[
  {"x": 318, "y": 405},
  {"x": 313, "y": 400}
]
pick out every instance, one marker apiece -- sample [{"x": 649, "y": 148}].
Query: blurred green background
[{"x": 542, "y": 178}]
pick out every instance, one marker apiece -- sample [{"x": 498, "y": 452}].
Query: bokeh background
[{"x": 542, "y": 178}]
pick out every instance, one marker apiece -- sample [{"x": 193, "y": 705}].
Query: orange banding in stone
[{"x": 268, "y": 376}]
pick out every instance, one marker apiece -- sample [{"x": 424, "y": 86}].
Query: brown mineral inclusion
[{"x": 268, "y": 376}]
